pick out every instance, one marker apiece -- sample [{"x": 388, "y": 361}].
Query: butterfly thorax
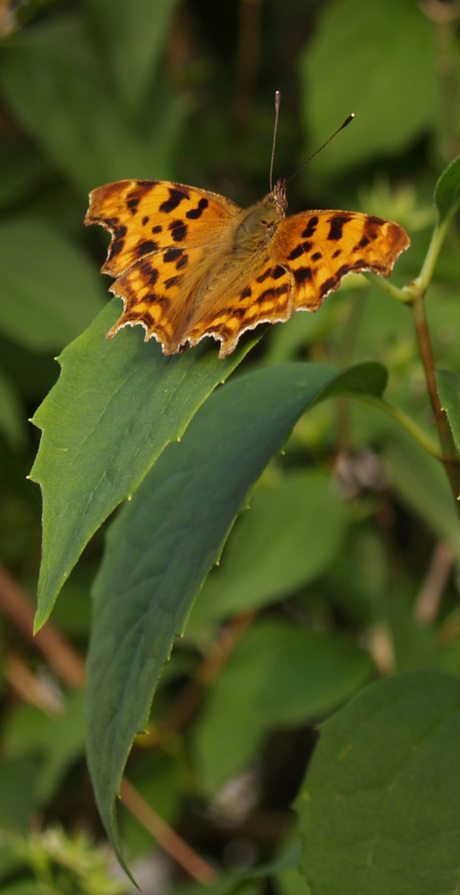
[{"x": 258, "y": 223}]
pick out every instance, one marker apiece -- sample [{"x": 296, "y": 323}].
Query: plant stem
[
  {"x": 450, "y": 456},
  {"x": 431, "y": 446},
  {"x": 439, "y": 234}
]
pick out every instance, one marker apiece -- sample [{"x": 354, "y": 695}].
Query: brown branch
[
  {"x": 66, "y": 662},
  {"x": 169, "y": 840},
  {"x": 188, "y": 701},
  {"x": 68, "y": 665},
  {"x": 427, "y": 604}
]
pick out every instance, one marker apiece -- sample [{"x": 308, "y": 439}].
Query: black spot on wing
[
  {"x": 336, "y": 226},
  {"x": 182, "y": 262},
  {"x": 317, "y": 256},
  {"x": 281, "y": 290},
  {"x": 342, "y": 271},
  {"x": 171, "y": 281},
  {"x": 278, "y": 272},
  {"x": 302, "y": 275},
  {"x": 172, "y": 255},
  {"x": 328, "y": 285},
  {"x": 246, "y": 293},
  {"x": 263, "y": 276},
  {"x": 337, "y": 253},
  {"x": 176, "y": 196},
  {"x": 310, "y": 228},
  {"x": 145, "y": 220},
  {"x": 296, "y": 253},
  {"x": 132, "y": 202},
  {"x": 196, "y": 213},
  {"x": 144, "y": 248},
  {"x": 149, "y": 273},
  {"x": 119, "y": 241},
  {"x": 157, "y": 229},
  {"x": 178, "y": 230}
]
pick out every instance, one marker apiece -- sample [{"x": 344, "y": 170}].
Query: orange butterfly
[{"x": 190, "y": 263}]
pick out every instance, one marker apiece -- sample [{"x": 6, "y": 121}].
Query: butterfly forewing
[
  {"x": 321, "y": 247},
  {"x": 146, "y": 216}
]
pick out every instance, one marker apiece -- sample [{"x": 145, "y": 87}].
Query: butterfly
[{"x": 190, "y": 263}]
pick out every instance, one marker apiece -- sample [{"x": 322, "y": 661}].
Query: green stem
[
  {"x": 420, "y": 285},
  {"x": 389, "y": 288},
  {"x": 414, "y": 296},
  {"x": 407, "y": 423},
  {"x": 449, "y": 451}
]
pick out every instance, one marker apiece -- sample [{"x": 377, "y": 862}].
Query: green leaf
[
  {"x": 162, "y": 543},
  {"x": 20, "y": 888},
  {"x": 53, "y": 283},
  {"x": 449, "y": 393},
  {"x": 56, "y": 66},
  {"x": 447, "y": 190},
  {"x": 116, "y": 405},
  {"x": 133, "y": 46},
  {"x": 22, "y": 169},
  {"x": 380, "y": 806},
  {"x": 11, "y": 418},
  {"x": 292, "y": 533},
  {"x": 280, "y": 675},
  {"x": 378, "y": 43},
  {"x": 421, "y": 483},
  {"x": 19, "y": 778},
  {"x": 59, "y": 741}
]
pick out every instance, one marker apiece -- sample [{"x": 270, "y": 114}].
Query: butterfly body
[{"x": 190, "y": 263}]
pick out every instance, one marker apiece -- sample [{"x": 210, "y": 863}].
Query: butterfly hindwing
[{"x": 265, "y": 298}]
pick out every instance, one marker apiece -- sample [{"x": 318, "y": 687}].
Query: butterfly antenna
[
  {"x": 317, "y": 151},
  {"x": 275, "y": 131}
]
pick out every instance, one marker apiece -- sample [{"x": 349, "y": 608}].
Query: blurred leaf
[
  {"x": 357, "y": 582},
  {"x": 55, "y": 66},
  {"x": 292, "y": 533},
  {"x": 49, "y": 290},
  {"x": 386, "y": 45},
  {"x": 20, "y": 888},
  {"x": 11, "y": 415},
  {"x": 415, "y": 646},
  {"x": 21, "y": 168},
  {"x": 162, "y": 543},
  {"x": 421, "y": 482},
  {"x": 58, "y": 741},
  {"x": 380, "y": 805},
  {"x": 280, "y": 675},
  {"x": 19, "y": 778},
  {"x": 134, "y": 36},
  {"x": 162, "y": 781},
  {"x": 447, "y": 190},
  {"x": 449, "y": 393},
  {"x": 116, "y": 405}
]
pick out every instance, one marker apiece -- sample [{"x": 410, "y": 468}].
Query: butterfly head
[{"x": 278, "y": 196}]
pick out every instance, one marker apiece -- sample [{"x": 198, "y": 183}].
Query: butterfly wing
[
  {"x": 321, "y": 247},
  {"x": 183, "y": 274},
  {"x": 309, "y": 255},
  {"x": 162, "y": 234},
  {"x": 263, "y": 297},
  {"x": 145, "y": 217}
]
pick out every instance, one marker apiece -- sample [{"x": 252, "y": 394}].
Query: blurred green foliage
[{"x": 348, "y": 557}]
